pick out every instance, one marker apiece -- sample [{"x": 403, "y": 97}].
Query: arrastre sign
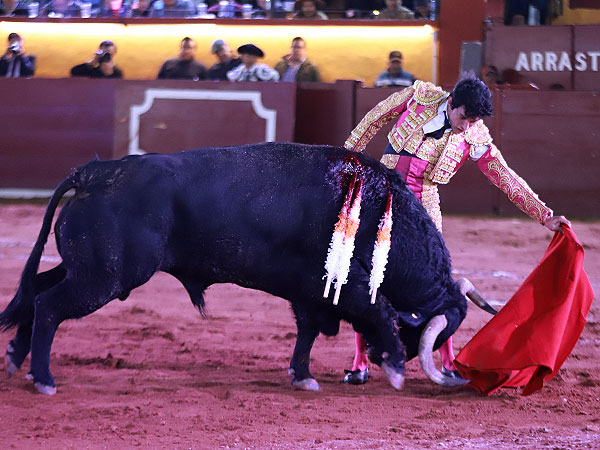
[
  {"x": 566, "y": 57},
  {"x": 557, "y": 61}
]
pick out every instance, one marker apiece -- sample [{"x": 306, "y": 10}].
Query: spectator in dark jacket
[
  {"x": 185, "y": 66},
  {"x": 296, "y": 66},
  {"x": 227, "y": 62},
  {"x": 15, "y": 63}
]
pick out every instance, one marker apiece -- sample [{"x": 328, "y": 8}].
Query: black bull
[{"x": 260, "y": 216}]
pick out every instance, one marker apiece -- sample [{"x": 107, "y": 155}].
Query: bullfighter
[{"x": 436, "y": 133}]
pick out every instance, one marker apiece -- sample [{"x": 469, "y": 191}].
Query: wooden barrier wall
[{"x": 51, "y": 126}]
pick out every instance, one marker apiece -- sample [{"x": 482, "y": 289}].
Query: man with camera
[
  {"x": 101, "y": 65},
  {"x": 15, "y": 63}
]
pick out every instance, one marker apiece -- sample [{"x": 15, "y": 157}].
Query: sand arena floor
[{"x": 151, "y": 373}]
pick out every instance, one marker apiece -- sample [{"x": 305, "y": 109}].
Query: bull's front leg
[
  {"x": 299, "y": 364},
  {"x": 376, "y": 323}
]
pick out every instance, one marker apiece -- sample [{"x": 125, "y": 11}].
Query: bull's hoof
[
  {"x": 45, "y": 389},
  {"x": 356, "y": 376},
  {"x": 9, "y": 366},
  {"x": 396, "y": 378},
  {"x": 308, "y": 384}
]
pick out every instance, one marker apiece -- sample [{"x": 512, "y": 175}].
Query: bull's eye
[{"x": 415, "y": 315}]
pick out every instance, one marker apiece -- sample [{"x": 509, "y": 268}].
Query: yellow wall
[
  {"x": 578, "y": 16},
  {"x": 341, "y": 52}
]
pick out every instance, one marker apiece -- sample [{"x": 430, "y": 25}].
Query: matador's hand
[{"x": 553, "y": 223}]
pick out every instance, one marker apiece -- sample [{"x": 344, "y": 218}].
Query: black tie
[{"x": 439, "y": 133}]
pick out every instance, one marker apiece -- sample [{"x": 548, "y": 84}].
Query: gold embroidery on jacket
[
  {"x": 450, "y": 157},
  {"x": 430, "y": 199},
  {"x": 377, "y": 117},
  {"x": 517, "y": 190},
  {"x": 389, "y": 160},
  {"x": 428, "y": 93},
  {"x": 409, "y": 134},
  {"x": 478, "y": 134}
]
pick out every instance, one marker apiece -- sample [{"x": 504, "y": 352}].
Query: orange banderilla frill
[
  {"x": 337, "y": 239},
  {"x": 343, "y": 268},
  {"x": 341, "y": 247},
  {"x": 381, "y": 250}
]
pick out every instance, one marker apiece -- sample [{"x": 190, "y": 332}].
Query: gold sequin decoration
[
  {"x": 428, "y": 93},
  {"x": 390, "y": 161},
  {"x": 516, "y": 188},
  {"x": 381, "y": 114},
  {"x": 446, "y": 165},
  {"x": 409, "y": 134},
  {"x": 430, "y": 198},
  {"x": 478, "y": 134}
]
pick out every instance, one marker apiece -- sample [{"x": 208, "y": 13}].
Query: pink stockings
[{"x": 360, "y": 356}]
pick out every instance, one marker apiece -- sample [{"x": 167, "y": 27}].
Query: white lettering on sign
[
  {"x": 550, "y": 61},
  {"x": 522, "y": 62},
  {"x": 537, "y": 62},
  {"x": 565, "y": 62},
  {"x": 581, "y": 64},
  {"x": 557, "y": 61},
  {"x": 594, "y": 57}
]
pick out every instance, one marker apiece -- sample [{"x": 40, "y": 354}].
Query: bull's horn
[
  {"x": 468, "y": 290},
  {"x": 430, "y": 334}
]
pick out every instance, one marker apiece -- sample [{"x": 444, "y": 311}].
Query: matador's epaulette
[
  {"x": 428, "y": 93},
  {"x": 478, "y": 134}
]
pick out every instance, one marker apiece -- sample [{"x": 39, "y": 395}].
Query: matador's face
[{"x": 458, "y": 119}]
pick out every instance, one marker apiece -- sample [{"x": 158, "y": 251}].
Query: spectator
[
  {"x": 101, "y": 65},
  {"x": 172, "y": 8},
  {"x": 423, "y": 9},
  {"x": 227, "y": 62},
  {"x": 395, "y": 75},
  {"x": 142, "y": 10},
  {"x": 250, "y": 69},
  {"x": 296, "y": 66},
  {"x": 15, "y": 63},
  {"x": 260, "y": 10},
  {"x": 13, "y": 8},
  {"x": 185, "y": 66},
  {"x": 395, "y": 11},
  {"x": 307, "y": 9},
  {"x": 62, "y": 8}
]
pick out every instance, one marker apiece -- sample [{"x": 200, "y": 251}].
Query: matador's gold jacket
[{"x": 414, "y": 107}]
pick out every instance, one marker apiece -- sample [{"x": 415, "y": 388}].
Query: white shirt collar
[{"x": 438, "y": 121}]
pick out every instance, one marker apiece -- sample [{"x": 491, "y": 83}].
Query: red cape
[{"x": 529, "y": 339}]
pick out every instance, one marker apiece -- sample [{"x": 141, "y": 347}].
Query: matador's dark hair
[{"x": 474, "y": 95}]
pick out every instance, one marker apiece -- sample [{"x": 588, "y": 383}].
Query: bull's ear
[{"x": 410, "y": 319}]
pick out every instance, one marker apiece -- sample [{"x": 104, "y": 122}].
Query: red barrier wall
[{"x": 51, "y": 126}]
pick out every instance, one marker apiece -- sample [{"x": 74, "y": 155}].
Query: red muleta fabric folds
[{"x": 529, "y": 339}]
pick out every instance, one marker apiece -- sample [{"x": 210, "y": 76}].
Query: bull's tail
[{"x": 20, "y": 309}]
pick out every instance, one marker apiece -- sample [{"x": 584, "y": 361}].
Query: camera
[
  {"x": 104, "y": 57},
  {"x": 15, "y": 47}
]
